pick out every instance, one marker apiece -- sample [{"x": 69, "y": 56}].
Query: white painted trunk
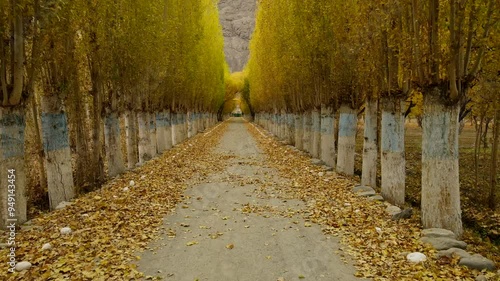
[
  {"x": 290, "y": 117},
  {"x": 143, "y": 145},
  {"x": 283, "y": 126},
  {"x": 306, "y": 139},
  {"x": 161, "y": 132},
  {"x": 328, "y": 136},
  {"x": 184, "y": 126},
  {"x": 316, "y": 134},
  {"x": 175, "y": 128},
  {"x": 347, "y": 140},
  {"x": 12, "y": 169},
  {"x": 112, "y": 140},
  {"x": 152, "y": 135},
  {"x": 299, "y": 131},
  {"x": 190, "y": 124},
  {"x": 370, "y": 153},
  {"x": 57, "y": 152},
  {"x": 440, "y": 172},
  {"x": 168, "y": 129},
  {"x": 131, "y": 135},
  {"x": 392, "y": 160}
]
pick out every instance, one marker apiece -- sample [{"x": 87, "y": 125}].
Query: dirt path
[{"x": 228, "y": 227}]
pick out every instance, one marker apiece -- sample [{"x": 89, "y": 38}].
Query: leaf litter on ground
[
  {"x": 377, "y": 245},
  {"x": 109, "y": 226}
]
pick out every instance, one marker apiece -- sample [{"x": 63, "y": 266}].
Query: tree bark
[
  {"x": 57, "y": 151},
  {"x": 392, "y": 150},
  {"x": 131, "y": 135},
  {"x": 306, "y": 138},
  {"x": 347, "y": 140},
  {"x": 328, "y": 154},
  {"x": 112, "y": 138},
  {"x": 316, "y": 133},
  {"x": 161, "y": 131},
  {"x": 12, "y": 165},
  {"x": 299, "y": 131},
  {"x": 144, "y": 137},
  {"x": 494, "y": 160},
  {"x": 153, "y": 149},
  {"x": 370, "y": 152},
  {"x": 440, "y": 172}
]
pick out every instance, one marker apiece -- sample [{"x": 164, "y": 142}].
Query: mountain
[{"x": 238, "y": 21}]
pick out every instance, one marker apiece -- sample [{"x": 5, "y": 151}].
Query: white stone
[
  {"x": 416, "y": 257},
  {"x": 132, "y": 183},
  {"x": 321, "y": 174},
  {"x": 63, "y": 205},
  {"x": 24, "y": 265},
  {"x": 379, "y": 230},
  {"x": 143, "y": 177},
  {"x": 392, "y": 210},
  {"x": 65, "y": 230},
  {"x": 126, "y": 189},
  {"x": 46, "y": 246}
]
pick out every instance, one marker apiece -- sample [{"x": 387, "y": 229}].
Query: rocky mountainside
[{"x": 238, "y": 21}]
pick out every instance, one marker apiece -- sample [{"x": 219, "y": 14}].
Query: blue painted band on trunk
[
  {"x": 112, "y": 123},
  {"x": 347, "y": 125},
  {"x": 12, "y": 135},
  {"x": 55, "y": 131},
  {"x": 392, "y": 140},
  {"x": 440, "y": 132},
  {"x": 161, "y": 120}
]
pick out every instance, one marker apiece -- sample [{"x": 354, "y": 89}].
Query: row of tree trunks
[
  {"x": 146, "y": 135},
  {"x": 12, "y": 165}
]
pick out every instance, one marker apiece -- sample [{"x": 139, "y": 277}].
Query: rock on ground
[
  {"x": 63, "y": 205},
  {"x": 443, "y": 243},
  {"x": 438, "y": 232},
  {"x": 362, "y": 188},
  {"x": 416, "y": 257},
  {"x": 453, "y": 251},
  {"x": 405, "y": 214},
  {"x": 392, "y": 210},
  {"x": 24, "y": 265},
  {"x": 478, "y": 262}
]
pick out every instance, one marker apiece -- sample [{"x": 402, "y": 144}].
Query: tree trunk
[
  {"x": 370, "y": 153},
  {"x": 393, "y": 150},
  {"x": 57, "y": 151},
  {"x": 290, "y": 128},
  {"x": 190, "y": 123},
  {"x": 440, "y": 173},
  {"x": 327, "y": 136},
  {"x": 161, "y": 131},
  {"x": 153, "y": 149},
  {"x": 144, "y": 137},
  {"x": 494, "y": 160},
  {"x": 283, "y": 126},
  {"x": 175, "y": 128},
  {"x": 299, "y": 131},
  {"x": 131, "y": 135},
  {"x": 112, "y": 139},
  {"x": 168, "y": 129},
  {"x": 347, "y": 140},
  {"x": 316, "y": 134},
  {"x": 306, "y": 138},
  {"x": 12, "y": 166}
]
